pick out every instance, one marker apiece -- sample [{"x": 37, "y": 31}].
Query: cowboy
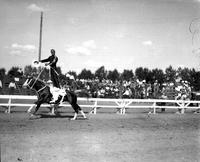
[
  {"x": 57, "y": 93},
  {"x": 52, "y": 61}
]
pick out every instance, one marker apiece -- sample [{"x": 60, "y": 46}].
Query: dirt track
[{"x": 105, "y": 137}]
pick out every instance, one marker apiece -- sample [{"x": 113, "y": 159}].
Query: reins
[
  {"x": 31, "y": 87},
  {"x": 37, "y": 78}
]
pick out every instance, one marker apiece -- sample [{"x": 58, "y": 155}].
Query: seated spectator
[
  {"x": 127, "y": 93},
  {"x": 12, "y": 87},
  {"x": 156, "y": 89},
  {"x": 1, "y": 86}
]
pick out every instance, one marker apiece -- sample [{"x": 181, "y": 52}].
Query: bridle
[{"x": 31, "y": 87}]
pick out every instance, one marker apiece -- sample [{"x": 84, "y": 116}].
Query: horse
[{"x": 44, "y": 96}]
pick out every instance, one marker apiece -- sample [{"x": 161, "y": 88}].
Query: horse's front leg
[
  {"x": 54, "y": 109},
  {"x": 75, "y": 116},
  {"x": 29, "y": 110}
]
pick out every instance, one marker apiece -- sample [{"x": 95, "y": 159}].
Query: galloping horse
[{"x": 44, "y": 96}]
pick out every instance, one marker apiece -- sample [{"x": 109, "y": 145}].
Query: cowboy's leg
[{"x": 54, "y": 78}]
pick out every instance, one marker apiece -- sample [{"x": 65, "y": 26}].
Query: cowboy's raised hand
[{"x": 36, "y": 62}]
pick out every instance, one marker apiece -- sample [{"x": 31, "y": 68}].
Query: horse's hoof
[
  {"x": 73, "y": 119},
  {"x": 50, "y": 113},
  {"x": 32, "y": 115},
  {"x": 29, "y": 112}
]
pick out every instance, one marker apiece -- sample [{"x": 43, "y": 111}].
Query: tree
[
  {"x": 184, "y": 73},
  {"x": 113, "y": 75},
  {"x": 127, "y": 75},
  {"x": 13, "y": 72},
  {"x": 100, "y": 73},
  {"x": 29, "y": 70},
  {"x": 170, "y": 74},
  {"x": 158, "y": 74},
  {"x": 86, "y": 74},
  {"x": 2, "y": 74},
  {"x": 195, "y": 81},
  {"x": 142, "y": 73},
  {"x": 73, "y": 73}
]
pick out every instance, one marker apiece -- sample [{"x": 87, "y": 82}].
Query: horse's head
[{"x": 34, "y": 83}]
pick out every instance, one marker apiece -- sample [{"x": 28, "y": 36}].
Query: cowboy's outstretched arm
[{"x": 45, "y": 60}]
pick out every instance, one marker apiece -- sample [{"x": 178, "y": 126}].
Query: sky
[{"x": 116, "y": 34}]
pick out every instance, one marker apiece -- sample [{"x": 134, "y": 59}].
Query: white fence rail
[{"x": 121, "y": 105}]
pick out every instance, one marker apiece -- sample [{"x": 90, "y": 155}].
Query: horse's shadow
[{"x": 57, "y": 115}]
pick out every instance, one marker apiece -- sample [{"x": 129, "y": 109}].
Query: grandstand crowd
[
  {"x": 133, "y": 89},
  {"x": 106, "y": 88},
  {"x": 101, "y": 86}
]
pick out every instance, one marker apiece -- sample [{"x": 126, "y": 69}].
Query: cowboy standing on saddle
[{"x": 52, "y": 61}]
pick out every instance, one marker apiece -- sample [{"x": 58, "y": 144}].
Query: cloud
[
  {"x": 34, "y": 7},
  {"x": 147, "y": 43},
  {"x": 84, "y": 49},
  {"x": 78, "y": 50},
  {"x": 196, "y": 51},
  {"x": 18, "y": 49},
  {"x": 89, "y": 44}
]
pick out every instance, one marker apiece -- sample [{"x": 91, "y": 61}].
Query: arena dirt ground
[{"x": 105, "y": 137}]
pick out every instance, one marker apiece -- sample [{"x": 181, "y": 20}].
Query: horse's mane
[{"x": 38, "y": 79}]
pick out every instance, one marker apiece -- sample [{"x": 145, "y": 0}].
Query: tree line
[{"x": 170, "y": 74}]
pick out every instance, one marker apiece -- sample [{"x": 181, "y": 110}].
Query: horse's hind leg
[{"x": 77, "y": 109}]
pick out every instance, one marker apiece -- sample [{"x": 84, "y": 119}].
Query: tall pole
[{"x": 40, "y": 40}]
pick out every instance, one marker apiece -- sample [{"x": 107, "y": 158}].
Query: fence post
[
  {"x": 154, "y": 108},
  {"x": 183, "y": 107},
  {"x": 95, "y": 107},
  {"x": 94, "y": 111},
  {"x": 123, "y": 108},
  {"x": 9, "y": 105}
]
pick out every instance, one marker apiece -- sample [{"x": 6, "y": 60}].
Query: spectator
[
  {"x": 12, "y": 87},
  {"x": 1, "y": 86},
  {"x": 127, "y": 93},
  {"x": 156, "y": 89}
]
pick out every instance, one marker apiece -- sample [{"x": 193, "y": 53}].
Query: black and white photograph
[{"x": 99, "y": 80}]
